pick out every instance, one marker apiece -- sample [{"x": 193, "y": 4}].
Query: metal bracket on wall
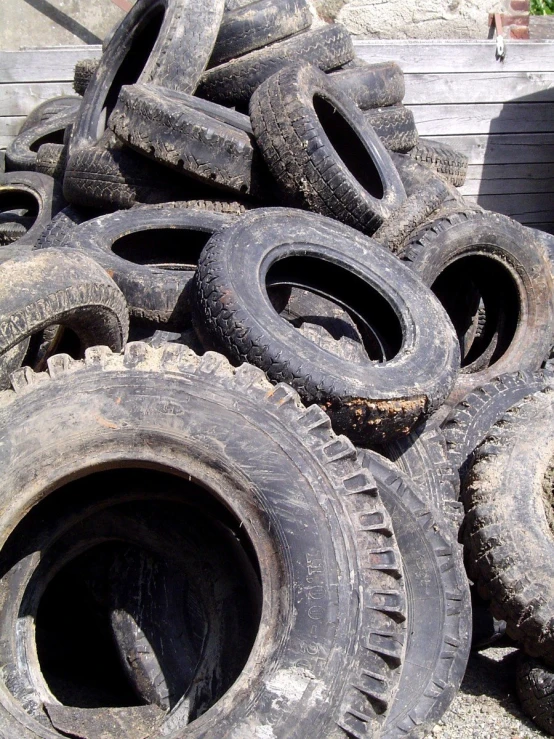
[{"x": 495, "y": 20}]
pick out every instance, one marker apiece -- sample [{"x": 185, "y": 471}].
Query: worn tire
[
  {"x": 258, "y": 24},
  {"x": 61, "y": 224},
  {"x": 395, "y": 126},
  {"x": 52, "y": 160},
  {"x": 535, "y": 690},
  {"x": 508, "y": 527},
  {"x": 218, "y": 418},
  {"x": 509, "y": 267},
  {"x": 320, "y": 149},
  {"x": 195, "y": 137},
  {"x": 233, "y": 83},
  {"x": 56, "y": 287},
  {"x": 21, "y": 154},
  {"x": 442, "y": 158},
  {"x": 56, "y": 106},
  {"x": 438, "y": 604},
  {"x": 371, "y": 85},
  {"x": 83, "y": 73},
  {"x": 369, "y": 401}
]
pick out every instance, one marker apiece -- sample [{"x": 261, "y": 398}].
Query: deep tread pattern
[
  {"x": 442, "y": 158},
  {"x": 395, "y": 126},
  {"x": 52, "y": 160},
  {"x": 535, "y": 689},
  {"x": 371, "y": 85},
  {"x": 11, "y": 231},
  {"x": 233, "y": 83},
  {"x": 62, "y": 223},
  {"x": 82, "y": 74}
]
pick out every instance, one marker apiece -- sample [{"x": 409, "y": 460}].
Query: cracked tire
[
  {"x": 330, "y": 535},
  {"x": 371, "y": 85},
  {"x": 320, "y": 149},
  {"x": 507, "y": 495},
  {"x": 368, "y": 401},
  {"x": 535, "y": 690}
]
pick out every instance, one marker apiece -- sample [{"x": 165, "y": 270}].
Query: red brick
[
  {"x": 520, "y": 6},
  {"x": 519, "y": 32}
]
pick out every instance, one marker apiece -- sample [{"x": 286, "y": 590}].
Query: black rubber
[
  {"x": 535, "y": 690},
  {"x": 471, "y": 420},
  {"x": 258, "y": 24},
  {"x": 164, "y": 42},
  {"x": 395, "y": 126},
  {"x": 442, "y": 158},
  {"x": 509, "y": 523},
  {"x": 438, "y": 604},
  {"x": 330, "y": 535},
  {"x": 58, "y": 288},
  {"x": 371, "y": 85},
  {"x": 83, "y": 73},
  {"x": 52, "y": 160},
  {"x": 509, "y": 268},
  {"x": 195, "y": 137},
  {"x": 233, "y": 83},
  {"x": 408, "y": 371},
  {"x": 62, "y": 223},
  {"x": 320, "y": 149},
  {"x": 21, "y": 154},
  {"x": 151, "y": 253},
  {"x": 55, "y": 106}
]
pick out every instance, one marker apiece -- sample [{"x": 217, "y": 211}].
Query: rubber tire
[
  {"x": 306, "y": 481},
  {"x": 509, "y": 544},
  {"x": 371, "y": 85},
  {"x": 256, "y": 25},
  {"x": 52, "y": 160},
  {"x": 21, "y": 154},
  {"x": 471, "y": 420},
  {"x": 56, "y": 287},
  {"x": 63, "y": 223},
  {"x": 200, "y": 139},
  {"x": 175, "y": 58},
  {"x": 154, "y": 294},
  {"x": 368, "y": 402},
  {"x": 504, "y": 242},
  {"x": 53, "y": 107},
  {"x": 442, "y": 158},
  {"x": 535, "y": 690},
  {"x": 83, "y": 73},
  {"x": 395, "y": 126},
  {"x": 357, "y": 185},
  {"x": 234, "y": 83},
  {"x": 438, "y": 604}
]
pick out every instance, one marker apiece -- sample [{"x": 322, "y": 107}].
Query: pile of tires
[{"x": 257, "y": 354}]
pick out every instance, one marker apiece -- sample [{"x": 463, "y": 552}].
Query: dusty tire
[
  {"x": 320, "y": 149},
  {"x": 52, "y": 160},
  {"x": 395, "y": 126},
  {"x": 21, "y": 154},
  {"x": 509, "y": 267},
  {"x": 83, "y": 73},
  {"x": 233, "y": 83},
  {"x": 56, "y": 106},
  {"x": 443, "y": 159},
  {"x": 369, "y": 401},
  {"x": 371, "y": 85},
  {"x": 61, "y": 224},
  {"x": 55, "y": 287},
  {"x": 438, "y": 604},
  {"x": 508, "y": 526},
  {"x": 258, "y": 24},
  {"x": 195, "y": 137},
  {"x": 148, "y": 254},
  {"x": 319, "y": 532},
  {"x": 535, "y": 690}
]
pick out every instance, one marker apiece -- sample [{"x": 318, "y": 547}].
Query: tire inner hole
[
  {"x": 55, "y": 137},
  {"x": 346, "y": 142},
  {"x": 164, "y": 248},
  {"x": 18, "y": 206},
  {"x": 308, "y": 290}
]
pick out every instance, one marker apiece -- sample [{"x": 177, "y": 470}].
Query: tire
[
  {"x": 233, "y": 83},
  {"x": 438, "y": 604},
  {"x": 368, "y": 402},
  {"x": 54, "y": 107},
  {"x": 471, "y": 420},
  {"x": 321, "y": 151},
  {"x": 508, "y": 527},
  {"x": 535, "y": 689},
  {"x": 63, "y": 223},
  {"x": 371, "y": 85},
  {"x": 155, "y": 282},
  {"x": 38, "y": 196},
  {"x": 83, "y": 73},
  {"x": 21, "y": 154},
  {"x": 204, "y": 141},
  {"x": 258, "y": 24},
  {"x": 11, "y": 231},
  {"x": 57, "y": 287},
  {"x": 164, "y": 42},
  {"x": 442, "y": 158},
  {"x": 510, "y": 269},
  {"x": 413, "y": 213},
  {"x": 395, "y": 126},
  {"x": 319, "y": 532},
  {"x": 52, "y": 160}
]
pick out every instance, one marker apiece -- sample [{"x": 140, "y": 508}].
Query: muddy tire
[
  {"x": 319, "y": 532},
  {"x": 367, "y": 401},
  {"x": 507, "y": 495},
  {"x": 438, "y": 604},
  {"x": 509, "y": 268},
  {"x": 61, "y": 224},
  {"x": 395, "y": 126},
  {"x": 83, "y": 73},
  {"x": 55, "y": 287},
  {"x": 258, "y": 24},
  {"x": 52, "y": 160},
  {"x": 442, "y": 158},
  {"x": 371, "y": 85},
  {"x": 195, "y": 137},
  {"x": 21, "y": 154},
  {"x": 320, "y": 149},
  {"x": 54, "y": 107},
  {"x": 233, "y": 83},
  {"x": 535, "y": 690}
]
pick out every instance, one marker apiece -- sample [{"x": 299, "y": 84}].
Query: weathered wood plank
[
  {"x": 436, "y": 57},
  {"x": 507, "y": 186},
  {"x": 20, "y": 99},
  {"x": 37, "y": 65},
  {"x": 498, "y": 149},
  {"x": 9, "y": 127},
  {"x": 449, "y": 120},
  {"x": 538, "y": 171},
  {"x": 530, "y": 208},
  {"x": 479, "y": 87}
]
